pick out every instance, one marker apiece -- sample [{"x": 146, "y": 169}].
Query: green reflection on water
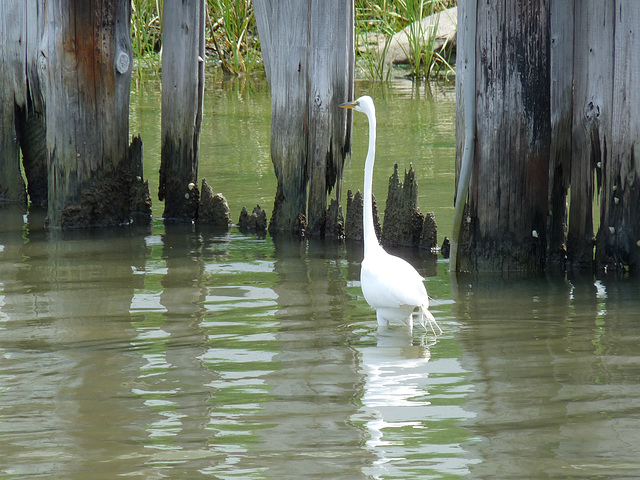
[
  {"x": 190, "y": 353},
  {"x": 195, "y": 354},
  {"x": 415, "y": 126}
]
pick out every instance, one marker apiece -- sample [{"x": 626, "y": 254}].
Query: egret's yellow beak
[{"x": 353, "y": 104}]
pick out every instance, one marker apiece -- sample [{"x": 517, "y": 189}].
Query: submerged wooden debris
[
  {"x": 254, "y": 222},
  {"x": 404, "y": 223},
  {"x": 213, "y": 208},
  {"x": 353, "y": 221}
]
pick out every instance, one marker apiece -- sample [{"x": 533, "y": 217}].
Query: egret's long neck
[{"x": 370, "y": 239}]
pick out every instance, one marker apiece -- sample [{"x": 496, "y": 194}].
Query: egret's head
[{"x": 363, "y": 104}]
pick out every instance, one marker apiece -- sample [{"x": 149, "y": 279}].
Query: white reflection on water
[
  {"x": 209, "y": 359},
  {"x": 393, "y": 383},
  {"x": 146, "y": 302},
  {"x": 398, "y": 412}
]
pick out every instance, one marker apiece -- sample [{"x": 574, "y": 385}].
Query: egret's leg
[
  {"x": 382, "y": 322},
  {"x": 426, "y": 314}
]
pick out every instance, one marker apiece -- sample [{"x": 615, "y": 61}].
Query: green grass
[
  {"x": 146, "y": 32},
  {"x": 233, "y": 32},
  {"x": 384, "y": 18},
  {"x": 421, "y": 39},
  {"x": 375, "y": 25}
]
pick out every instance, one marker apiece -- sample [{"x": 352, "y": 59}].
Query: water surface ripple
[
  {"x": 183, "y": 352},
  {"x": 196, "y": 354}
]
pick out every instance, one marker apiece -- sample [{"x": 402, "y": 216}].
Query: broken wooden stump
[
  {"x": 333, "y": 223},
  {"x": 403, "y": 221},
  {"x": 256, "y": 222},
  {"x": 445, "y": 249},
  {"x": 353, "y": 220},
  {"x": 139, "y": 193},
  {"x": 429, "y": 235},
  {"x": 213, "y": 208}
]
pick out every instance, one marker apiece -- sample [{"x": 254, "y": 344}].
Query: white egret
[{"x": 389, "y": 284}]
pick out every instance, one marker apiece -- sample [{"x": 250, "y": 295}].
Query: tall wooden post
[
  {"x": 331, "y": 63},
  {"x": 592, "y": 115},
  {"x": 579, "y": 54},
  {"x": 12, "y": 92},
  {"x": 509, "y": 181},
  {"x": 561, "y": 70},
  {"x": 309, "y": 59},
  {"x": 182, "y": 96},
  {"x": 22, "y": 122},
  {"x": 88, "y": 77},
  {"x": 618, "y": 240},
  {"x": 465, "y": 121},
  {"x": 283, "y": 38}
]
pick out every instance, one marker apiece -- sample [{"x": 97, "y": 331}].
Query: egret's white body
[{"x": 389, "y": 284}]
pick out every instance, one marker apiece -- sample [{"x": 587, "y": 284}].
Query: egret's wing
[{"x": 389, "y": 281}]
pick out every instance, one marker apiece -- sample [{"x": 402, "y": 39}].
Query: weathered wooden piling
[
  {"x": 556, "y": 120},
  {"x": 508, "y": 191},
  {"x": 88, "y": 80},
  {"x": 308, "y": 55},
  {"x": 182, "y": 100},
  {"x": 16, "y": 59},
  {"x": 67, "y": 72},
  {"x": 618, "y": 239}
]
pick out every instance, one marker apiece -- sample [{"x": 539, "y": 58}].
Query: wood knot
[
  {"x": 592, "y": 111},
  {"x": 122, "y": 62}
]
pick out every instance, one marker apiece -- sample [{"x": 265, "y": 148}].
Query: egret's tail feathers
[{"x": 427, "y": 317}]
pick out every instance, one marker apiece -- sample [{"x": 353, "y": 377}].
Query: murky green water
[
  {"x": 415, "y": 126},
  {"x": 189, "y": 353}
]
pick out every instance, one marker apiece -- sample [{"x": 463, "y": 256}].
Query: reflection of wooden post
[
  {"x": 182, "y": 94},
  {"x": 308, "y": 56},
  {"x": 88, "y": 79}
]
